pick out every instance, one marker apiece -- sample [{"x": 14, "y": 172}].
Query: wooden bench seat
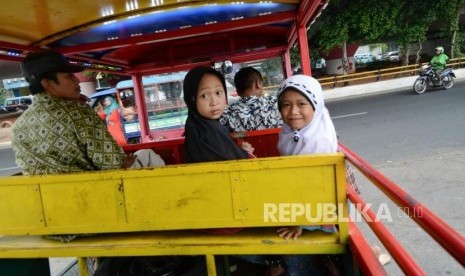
[{"x": 180, "y": 242}]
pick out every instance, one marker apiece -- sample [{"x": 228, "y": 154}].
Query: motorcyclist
[{"x": 438, "y": 62}]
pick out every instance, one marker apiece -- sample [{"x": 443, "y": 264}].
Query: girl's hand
[
  {"x": 128, "y": 161},
  {"x": 292, "y": 232},
  {"x": 247, "y": 147}
]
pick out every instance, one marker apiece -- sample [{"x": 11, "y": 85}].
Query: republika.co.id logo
[{"x": 329, "y": 213}]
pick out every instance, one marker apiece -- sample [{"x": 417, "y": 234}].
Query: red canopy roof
[{"x": 154, "y": 36}]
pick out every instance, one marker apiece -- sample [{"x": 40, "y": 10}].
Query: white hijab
[{"x": 319, "y": 136}]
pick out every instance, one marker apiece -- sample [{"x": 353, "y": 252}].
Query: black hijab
[{"x": 205, "y": 139}]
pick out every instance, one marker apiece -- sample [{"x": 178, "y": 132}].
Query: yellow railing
[{"x": 381, "y": 74}]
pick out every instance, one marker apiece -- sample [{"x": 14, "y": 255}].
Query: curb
[{"x": 384, "y": 86}]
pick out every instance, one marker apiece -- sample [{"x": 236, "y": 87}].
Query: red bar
[
  {"x": 304, "y": 50},
  {"x": 141, "y": 108},
  {"x": 438, "y": 229},
  {"x": 362, "y": 253},
  {"x": 398, "y": 252}
]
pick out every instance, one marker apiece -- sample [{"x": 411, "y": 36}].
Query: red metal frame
[
  {"x": 402, "y": 257},
  {"x": 362, "y": 253},
  {"x": 444, "y": 234}
]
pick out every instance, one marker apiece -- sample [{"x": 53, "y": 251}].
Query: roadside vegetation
[{"x": 407, "y": 23}]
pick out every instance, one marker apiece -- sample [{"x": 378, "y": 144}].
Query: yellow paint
[
  {"x": 209, "y": 195},
  {"x": 186, "y": 242},
  {"x": 145, "y": 202},
  {"x": 82, "y": 264}
]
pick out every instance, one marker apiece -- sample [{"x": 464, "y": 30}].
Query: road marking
[
  {"x": 9, "y": 169},
  {"x": 349, "y": 115}
]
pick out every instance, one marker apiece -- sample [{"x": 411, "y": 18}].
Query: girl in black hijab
[{"x": 205, "y": 138}]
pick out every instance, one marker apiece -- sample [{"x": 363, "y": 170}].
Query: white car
[
  {"x": 364, "y": 58},
  {"x": 320, "y": 63},
  {"x": 392, "y": 56}
]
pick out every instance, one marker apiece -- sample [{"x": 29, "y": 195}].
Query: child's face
[
  {"x": 211, "y": 97},
  {"x": 295, "y": 109}
]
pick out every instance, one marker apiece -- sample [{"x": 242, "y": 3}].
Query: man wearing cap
[{"x": 59, "y": 132}]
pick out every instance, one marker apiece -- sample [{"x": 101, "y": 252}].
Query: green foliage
[
  {"x": 374, "y": 46},
  {"x": 102, "y": 75},
  {"x": 370, "y": 21},
  {"x": 414, "y": 21},
  {"x": 4, "y": 94},
  {"x": 271, "y": 67},
  {"x": 295, "y": 56},
  {"x": 448, "y": 13},
  {"x": 356, "y": 21},
  {"x": 459, "y": 51}
]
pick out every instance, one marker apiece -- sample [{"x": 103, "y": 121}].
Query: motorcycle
[{"x": 428, "y": 79}]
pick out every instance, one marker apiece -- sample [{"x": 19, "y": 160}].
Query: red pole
[
  {"x": 398, "y": 252},
  {"x": 444, "y": 234},
  {"x": 304, "y": 51},
  {"x": 364, "y": 256},
  {"x": 286, "y": 57},
  {"x": 141, "y": 108}
]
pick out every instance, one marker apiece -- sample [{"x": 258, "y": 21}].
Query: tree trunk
[
  {"x": 345, "y": 62},
  {"x": 417, "y": 60},
  {"x": 405, "y": 54},
  {"x": 454, "y": 36},
  {"x": 267, "y": 72}
]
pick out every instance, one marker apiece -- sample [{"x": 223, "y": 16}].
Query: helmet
[{"x": 440, "y": 49}]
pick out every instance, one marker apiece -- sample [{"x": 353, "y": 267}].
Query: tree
[
  {"x": 271, "y": 66},
  {"x": 370, "y": 21},
  {"x": 346, "y": 22},
  {"x": 448, "y": 19},
  {"x": 412, "y": 24},
  {"x": 4, "y": 94}
]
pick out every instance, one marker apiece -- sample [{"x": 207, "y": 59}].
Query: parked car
[
  {"x": 18, "y": 103},
  {"x": 364, "y": 58},
  {"x": 3, "y": 110},
  {"x": 392, "y": 56},
  {"x": 320, "y": 63}
]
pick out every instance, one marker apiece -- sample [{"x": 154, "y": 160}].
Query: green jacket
[{"x": 438, "y": 62}]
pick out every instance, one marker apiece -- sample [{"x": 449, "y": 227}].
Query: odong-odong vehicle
[
  {"x": 428, "y": 79},
  {"x": 153, "y": 212}
]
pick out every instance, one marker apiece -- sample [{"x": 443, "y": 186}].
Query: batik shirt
[
  {"x": 59, "y": 136},
  {"x": 252, "y": 113}
]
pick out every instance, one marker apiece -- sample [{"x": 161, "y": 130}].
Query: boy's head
[
  {"x": 205, "y": 92},
  {"x": 46, "y": 65},
  {"x": 248, "y": 82},
  {"x": 300, "y": 97}
]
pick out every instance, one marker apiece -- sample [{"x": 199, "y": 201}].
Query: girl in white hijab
[{"x": 307, "y": 127}]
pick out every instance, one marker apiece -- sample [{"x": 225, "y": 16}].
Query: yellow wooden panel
[
  {"x": 343, "y": 211},
  {"x": 207, "y": 195},
  {"x": 184, "y": 201},
  {"x": 20, "y": 207},
  {"x": 81, "y": 204},
  {"x": 304, "y": 187}
]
